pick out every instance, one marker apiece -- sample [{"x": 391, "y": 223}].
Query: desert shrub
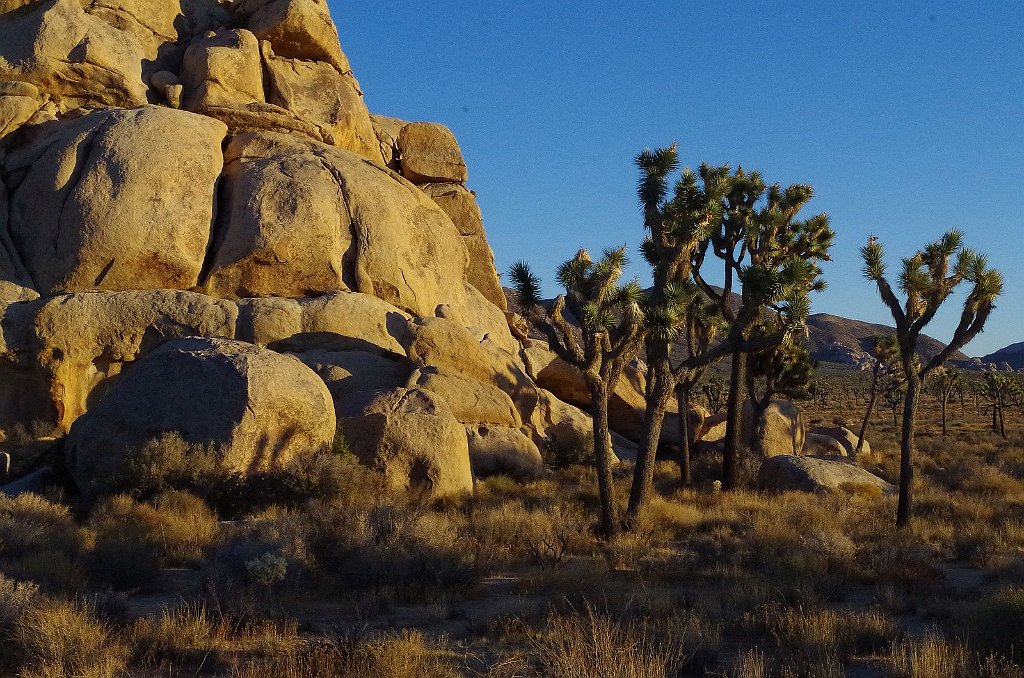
[
  {"x": 57, "y": 638},
  {"x": 993, "y": 622},
  {"x": 979, "y": 543},
  {"x": 402, "y": 655},
  {"x": 933, "y": 656},
  {"x": 187, "y": 633},
  {"x": 169, "y": 463},
  {"x": 801, "y": 539},
  {"x": 822, "y": 635},
  {"x": 590, "y": 644},
  {"x": 40, "y": 542},
  {"x": 573, "y": 448}
]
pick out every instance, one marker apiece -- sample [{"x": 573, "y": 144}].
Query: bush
[
  {"x": 574, "y": 448},
  {"x": 589, "y": 644},
  {"x": 58, "y": 638},
  {"x": 40, "y": 542}
]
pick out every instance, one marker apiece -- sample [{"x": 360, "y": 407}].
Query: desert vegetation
[{"x": 314, "y": 571}]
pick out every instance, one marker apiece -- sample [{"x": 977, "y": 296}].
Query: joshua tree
[
  {"x": 702, "y": 326},
  {"x": 927, "y": 279},
  {"x": 884, "y": 351},
  {"x": 608, "y": 334},
  {"x": 714, "y": 393},
  {"x": 782, "y": 370},
  {"x": 773, "y": 260},
  {"x": 945, "y": 383},
  {"x": 675, "y": 306},
  {"x": 998, "y": 390}
]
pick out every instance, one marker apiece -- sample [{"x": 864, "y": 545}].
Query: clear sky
[{"x": 907, "y": 117}]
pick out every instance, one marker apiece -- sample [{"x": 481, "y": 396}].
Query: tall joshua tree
[
  {"x": 606, "y": 335},
  {"x": 772, "y": 259},
  {"x": 768, "y": 252},
  {"x": 927, "y": 279},
  {"x": 675, "y": 227}
]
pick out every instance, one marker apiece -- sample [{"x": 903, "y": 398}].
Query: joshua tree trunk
[
  {"x": 659, "y": 395},
  {"x": 867, "y": 415},
  {"x": 683, "y": 403},
  {"x": 603, "y": 456},
  {"x": 945, "y": 399},
  {"x": 907, "y": 448},
  {"x": 734, "y": 421}
]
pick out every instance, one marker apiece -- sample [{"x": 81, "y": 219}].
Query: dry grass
[{"x": 589, "y": 644}]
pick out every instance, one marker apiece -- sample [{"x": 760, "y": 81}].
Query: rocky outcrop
[
  {"x": 205, "y": 171},
  {"x": 257, "y": 408},
  {"x": 789, "y": 473},
  {"x": 460, "y": 205},
  {"x": 430, "y": 153}
]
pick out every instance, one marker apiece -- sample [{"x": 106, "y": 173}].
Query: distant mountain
[
  {"x": 1012, "y": 355},
  {"x": 847, "y": 342}
]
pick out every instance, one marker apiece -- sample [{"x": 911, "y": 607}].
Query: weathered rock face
[
  {"x": 306, "y": 218},
  {"x": 789, "y": 473},
  {"x": 258, "y": 408},
  {"x": 90, "y": 209}
]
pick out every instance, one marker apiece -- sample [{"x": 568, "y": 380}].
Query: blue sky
[{"x": 906, "y": 117}]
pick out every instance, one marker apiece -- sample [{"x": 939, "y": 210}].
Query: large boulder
[
  {"x": 412, "y": 437},
  {"x": 299, "y": 29},
  {"x": 325, "y": 97},
  {"x": 787, "y": 473},
  {"x": 350, "y": 321},
  {"x": 471, "y": 401},
  {"x": 330, "y": 219},
  {"x": 224, "y": 69},
  {"x": 15, "y": 284},
  {"x": 348, "y": 372},
  {"x": 780, "y": 430},
  {"x": 844, "y": 436},
  {"x": 430, "y": 153},
  {"x": 94, "y": 204},
  {"x": 257, "y": 408},
  {"x": 820, "y": 445},
  {"x": 499, "y": 450}
]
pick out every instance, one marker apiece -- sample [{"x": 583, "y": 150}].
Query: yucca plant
[
  {"x": 600, "y": 341},
  {"x": 927, "y": 279},
  {"x": 771, "y": 260},
  {"x": 885, "y": 354}
]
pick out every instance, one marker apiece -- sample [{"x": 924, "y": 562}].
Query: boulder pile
[{"x": 204, "y": 230}]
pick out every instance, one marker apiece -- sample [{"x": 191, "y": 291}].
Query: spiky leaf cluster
[{"x": 927, "y": 279}]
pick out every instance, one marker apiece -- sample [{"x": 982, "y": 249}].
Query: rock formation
[{"x": 193, "y": 190}]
